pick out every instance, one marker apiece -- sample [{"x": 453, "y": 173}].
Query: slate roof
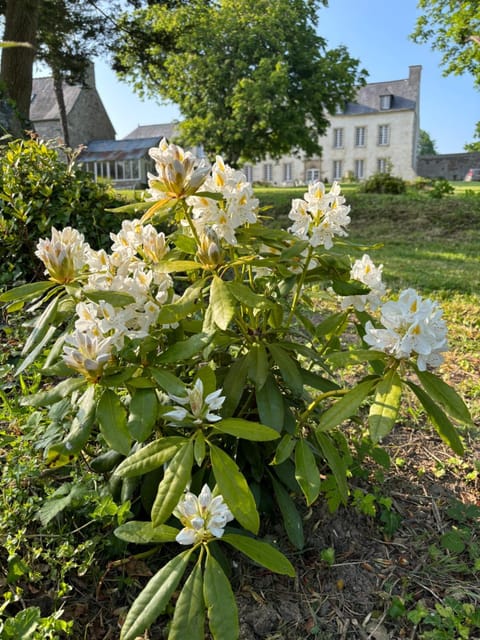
[
  {"x": 403, "y": 94},
  {"x": 153, "y": 130},
  {"x": 125, "y": 149},
  {"x": 44, "y": 105}
]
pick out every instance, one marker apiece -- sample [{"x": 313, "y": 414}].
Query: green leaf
[
  {"x": 173, "y": 266},
  {"x": 439, "y": 419},
  {"x": 288, "y": 368},
  {"x": 139, "y": 532},
  {"x": 385, "y": 406},
  {"x": 23, "y": 625},
  {"x": 42, "y": 326},
  {"x": 55, "y": 394},
  {"x": 335, "y": 462},
  {"x": 221, "y": 606},
  {"x": 246, "y": 296},
  {"x": 306, "y": 471},
  {"x": 173, "y": 484},
  {"x": 234, "y": 488},
  {"x": 291, "y": 517},
  {"x": 284, "y": 449},
  {"x": 154, "y": 598},
  {"x": 189, "y": 613},
  {"x": 152, "y": 456},
  {"x": 142, "y": 414},
  {"x": 270, "y": 405},
  {"x": 262, "y": 553},
  {"x": 115, "y": 298},
  {"x": 446, "y": 396},
  {"x": 332, "y": 324},
  {"x": 222, "y": 303},
  {"x": 27, "y": 291},
  {"x": 234, "y": 384},
  {"x": 39, "y": 347},
  {"x": 346, "y": 406},
  {"x": 167, "y": 381},
  {"x": 245, "y": 429},
  {"x": 353, "y": 357},
  {"x": 112, "y": 418},
  {"x": 258, "y": 369},
  {"x": 186, "y": 349}
]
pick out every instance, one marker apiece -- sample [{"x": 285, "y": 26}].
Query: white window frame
[
  {"x": 386, "y": 102},
  {"x": 338, "y": 138},
  {"x": 312, "y": 175},
  {"x": 337, "y": 170},
  {"x": 359, "y": 169},
  {"x": 287, "y": 171},
  {"x": 383, "y": 135},
  {"x": 360, "y": 136},
  {"x": 268, "y": 172},
  {"x": 382, "y": 165},
  {"x": 248, "y": 171}
]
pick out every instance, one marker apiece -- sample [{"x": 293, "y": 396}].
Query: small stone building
[
  {"x": 451, "y": 166},
  {"x": 86, "y": 116}
]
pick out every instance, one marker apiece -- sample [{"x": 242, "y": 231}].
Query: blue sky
[{"x": 374, "y": 31}]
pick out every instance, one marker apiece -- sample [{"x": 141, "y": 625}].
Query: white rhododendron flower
[
  {"x": 413, "y": 326},
  {"x": 195, "y": 407},
  {"x": 320, "y": 215},
  {"x": 64, "y": 255},
  {"x": 237, "y": 208},
  {"x": 368, "y": 274},
  {"x": 88, "y": 354},
  {"x": 177, "y": 174},
  {"x": 203, "y": 517}
]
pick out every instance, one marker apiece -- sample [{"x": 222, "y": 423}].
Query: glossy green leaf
[
  {"x": 284, "y": 449},
  {"x": 288, "y": 368},
  {"x": 346, "y": 407},
  {"x": 222, "y": 303},
  {"x": 262, "y": 553},
  {"x": 291, "y": 518},
  {"x": 115, "y": 298},
  {"x": 258, "y": 368},
  {"x": 234, "y": 488},
  {"x": 189, "y": 613},
  {"x": 332, "y": 324},
  {"x": 246, "y": 296},
  {"x": 271, "y": 408},
  {"x": 55, "y": 394},
  {"x": 152, "y": 456},
  {"x": 37, "y": 350},
  {"x": 245, "y": 429},
  {"x": 112, "y": 418},
  {"x": 173, "y": 266},
  {"x": 385, "y": 406},
  {"x": 27, "y": 291},
  {"x": 353, "y": 357},
  {"x": 234, "y": 385},
  {"x": 167, "y": 381},
  {"x": 174, "y": 482},
  {"x": 42, "y": 326},
  {"x": 306, "y": 471},
  {"x": 185, "y": 349},
  {"x": 439, "y": 419},
  {"x": 154, "y": 598},
  {"x": 142, "y": 414},
  {"x": 335, "y": 462},
  {"x": 23, "y": 625},
  {"x": 221, "y": 606},
  {"x": 446, "y": 396}
]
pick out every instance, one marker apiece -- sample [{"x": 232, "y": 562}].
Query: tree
[
  {"x": 16, "y": 70},
  {"x": 426, "y": 146},
  {"x": 453, "y": 29},
  {"x": 250, "y": 79}
]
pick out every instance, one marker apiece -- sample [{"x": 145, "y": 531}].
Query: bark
[
  {"x": 58, "y": 88},
  {"x": 16, "y": 71}
]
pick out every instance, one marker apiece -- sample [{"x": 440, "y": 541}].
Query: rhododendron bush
[{"x": 204, "y": 369}]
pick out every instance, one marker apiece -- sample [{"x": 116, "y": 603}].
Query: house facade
[
  {"x": 377, "y": 132},
  {"x": 87, "y": 117}
]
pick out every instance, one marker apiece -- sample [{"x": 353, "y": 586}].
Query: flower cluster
[
  {"x": 413, "y": 326},
  {"x": 237, "y": 207},
  {"x": 177, "y": 174},
  {"x": 64, "y": 254},
  {"x": 203, "y": 517},
  {"x": 320, "y": 215},
  {"x": 194, "y": 407},
  {"x": 367, "y": 273}
]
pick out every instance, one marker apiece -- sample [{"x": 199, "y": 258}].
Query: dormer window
[{"x": 386, "y": 102}]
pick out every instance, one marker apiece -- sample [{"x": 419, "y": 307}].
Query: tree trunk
[
  {"x": 58, "y": 88},
  {"x": 16, "y": 71}
]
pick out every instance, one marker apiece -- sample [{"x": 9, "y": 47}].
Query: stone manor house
[{"x": 376, "y": 132}]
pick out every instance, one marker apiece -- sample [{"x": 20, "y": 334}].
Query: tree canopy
[
  {"x": 250, "y": 79},
  {"x": 426, "y": 146}
]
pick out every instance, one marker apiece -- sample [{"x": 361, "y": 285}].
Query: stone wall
[{"x": 451, "y": 166}]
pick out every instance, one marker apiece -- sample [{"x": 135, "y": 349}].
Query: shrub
[
  {"x": 39, "y": 190},
  {"x": 205, "y": 372},
  {"x": 384, "y": 183}
]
